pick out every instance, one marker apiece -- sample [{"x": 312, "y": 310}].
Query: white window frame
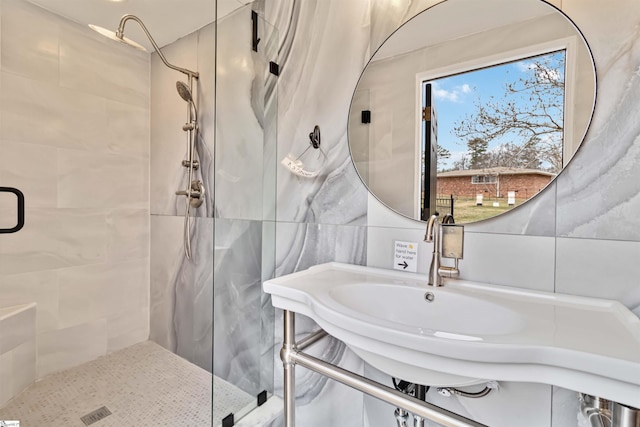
[{"x": 568, "y": 44}]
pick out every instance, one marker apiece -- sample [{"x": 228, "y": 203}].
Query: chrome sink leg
[{"x": 288, "y": 346}]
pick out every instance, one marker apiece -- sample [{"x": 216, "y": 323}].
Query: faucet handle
[
  {"x": 452, "y": 241},
  {"x": 452, "y": 247}
]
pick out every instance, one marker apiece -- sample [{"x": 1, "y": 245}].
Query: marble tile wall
[
  {"x": 245, "y": 233},
  {"x": 74, "y": 137},
  {"x": 181, "y": 311},
  {"x": 319, "y": 401},
  {"x": 587, "y": 215}
]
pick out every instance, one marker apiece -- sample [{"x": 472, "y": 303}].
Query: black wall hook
[
  {"x": 315, "y": 137},
  {"x": 254, "y": 30}
]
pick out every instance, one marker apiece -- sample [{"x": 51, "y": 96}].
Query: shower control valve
[{"x": 196, "y": 193}]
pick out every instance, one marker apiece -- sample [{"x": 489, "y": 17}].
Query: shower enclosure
[
  {"x": 208, "y": 307},
  {"x": 150, "y": 209}
]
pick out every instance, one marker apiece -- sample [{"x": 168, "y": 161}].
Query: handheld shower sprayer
[{"x": 185, "y": 93}]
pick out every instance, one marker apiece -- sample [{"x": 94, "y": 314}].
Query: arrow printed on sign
[{"x": 404, "y": 265}]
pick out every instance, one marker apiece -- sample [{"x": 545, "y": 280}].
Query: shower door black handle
[{"x": 20, "y": 197}]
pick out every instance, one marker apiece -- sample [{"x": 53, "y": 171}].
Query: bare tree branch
[{"x": 529, "y": 116}]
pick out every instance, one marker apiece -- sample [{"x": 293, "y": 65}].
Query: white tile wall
[
  {"x": 29, "y": 50},
  {"x": 127, "y": 234},
  {"x": 94, "y": 64},
  {"x": 40, "y": 287},
  {"x": 74, "y": 137},
  {"x": 91, "y": 180},
  {"x": 31, "y": 168},
  {"x": 54, "y": 238},
  {"x": 126, "y": 327},
  {"x": 24, "y": 365},
  {"x": 127, "y": 129},
  {"x": 17, "y": 325},
  {"x": 41, "y": 112},
  {"x": 17, "y": 349},
  {"x": 599, "y": 268},
  {"x": 6, "y": 376},
  {"x": 66, "y": 348},
  {"x": 510, "y": 260},
  {"x": 100, "y": 291}
]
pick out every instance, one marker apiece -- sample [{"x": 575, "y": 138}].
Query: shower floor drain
[{"x": 95, "y": 416}]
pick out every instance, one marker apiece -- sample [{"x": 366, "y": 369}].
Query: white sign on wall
[{"x": 405, "y": 256}]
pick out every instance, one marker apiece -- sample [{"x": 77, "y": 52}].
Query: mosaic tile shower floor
[{"x": 142, "y": 385}]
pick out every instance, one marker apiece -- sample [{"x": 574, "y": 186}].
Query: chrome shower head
[
  {"x": 114, "y": 36},
  {"x": 184, "y": 91},
  {"x": 119, "y": 36}
]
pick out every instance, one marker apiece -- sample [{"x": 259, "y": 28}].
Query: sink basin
[
  {"x": 447, "y": 313},
  {"x": 466, "y": 333}
]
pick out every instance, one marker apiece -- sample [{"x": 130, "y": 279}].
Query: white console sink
[{"x": 470, "y": 332}]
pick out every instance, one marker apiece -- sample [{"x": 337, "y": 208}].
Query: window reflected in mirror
[{"x": 491, "y": 138}]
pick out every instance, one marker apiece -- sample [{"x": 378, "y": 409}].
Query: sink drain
[{"x": 429, "y": 296}]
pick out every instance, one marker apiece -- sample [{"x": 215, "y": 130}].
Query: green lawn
[{"x": 465, "y": 209}]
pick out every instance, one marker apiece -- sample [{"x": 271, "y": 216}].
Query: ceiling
[
  {"x": 452, "y": 20},
  {"x": 166, "y": 20}
]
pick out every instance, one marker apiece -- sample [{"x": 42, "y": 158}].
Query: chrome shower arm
[{"x": 120, "y": 35}]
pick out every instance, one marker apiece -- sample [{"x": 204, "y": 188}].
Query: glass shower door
[{"x": 244, "y": 174}]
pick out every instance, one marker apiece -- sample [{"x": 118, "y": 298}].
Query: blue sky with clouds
[{"x": 455, "y": 97}]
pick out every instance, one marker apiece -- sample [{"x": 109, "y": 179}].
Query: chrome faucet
[{"x": 433, "y": 234}]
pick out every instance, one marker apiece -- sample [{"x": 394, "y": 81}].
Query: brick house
[{"x": 493, "y": 182}]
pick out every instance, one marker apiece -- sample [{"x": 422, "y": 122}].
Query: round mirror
[{"x": 472, "y": 107}]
